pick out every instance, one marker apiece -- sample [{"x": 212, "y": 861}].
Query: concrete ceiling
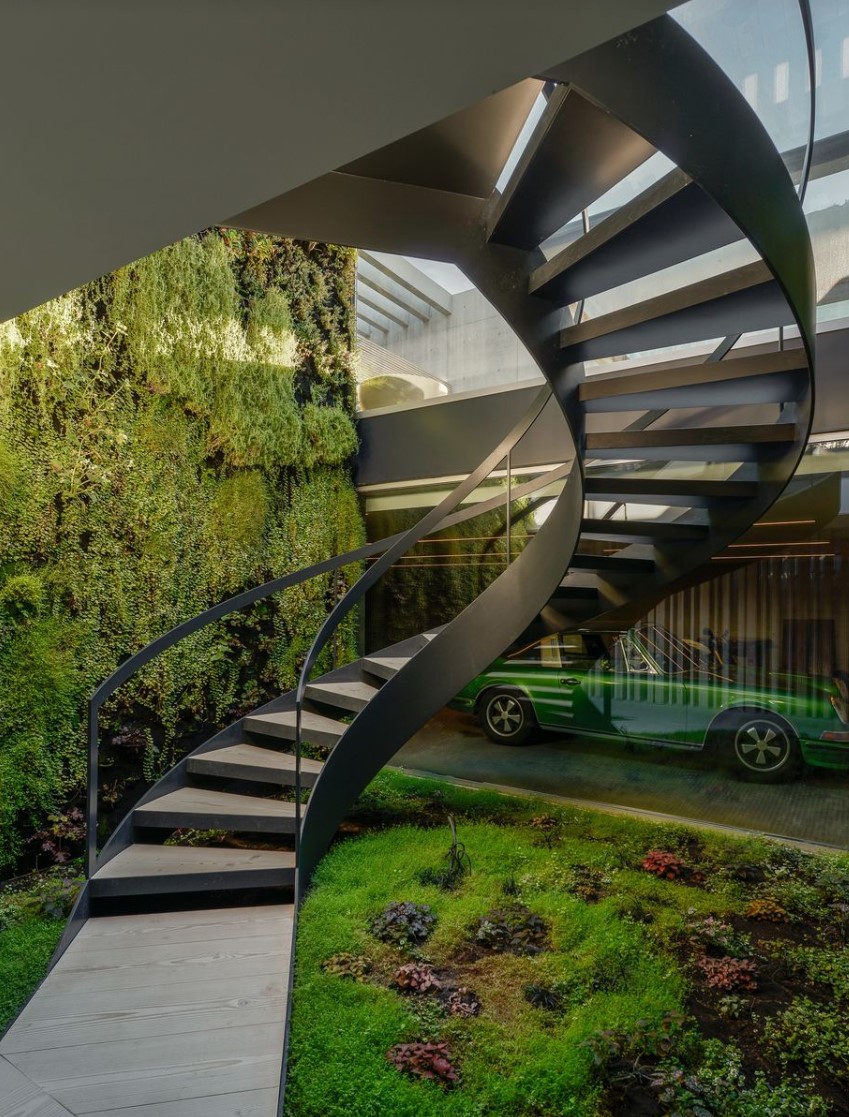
[{"x": 127, "y": 125}]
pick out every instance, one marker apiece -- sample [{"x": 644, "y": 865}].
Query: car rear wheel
[
  {"x": 762, "y": 747},
  {"x": 506, "y": 717}
]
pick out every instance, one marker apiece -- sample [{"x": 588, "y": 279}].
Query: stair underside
[
  {"x": 577, "y": 153},
  {"x": 656, "y": 490},
  {"x": 774, "y": 377},
  {"x": 635, "y": 531},
  {"x": 670, "y": 222},
  {"x": 732, "y": 303},
  {"x": 716, "y": 444}
]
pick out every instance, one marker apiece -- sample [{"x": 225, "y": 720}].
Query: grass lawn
[
  {"x": 616, "y": 967},
  {"x": 32, "y": 918}
]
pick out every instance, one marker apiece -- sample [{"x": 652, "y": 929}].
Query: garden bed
[{"x": 587, "y": 964}]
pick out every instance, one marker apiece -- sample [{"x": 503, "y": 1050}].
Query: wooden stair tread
[
  {"x": 140, "y": 859},
  {"x": 577, "y": 152},
  {"x": 385, "y": 666},
  {"x": 349, "y": 695},
  {"x": 737, "y": 301},
  {"x": 314, "y": 727},
  {"x": 195, "y": 806},
  {"x": 671, "y": 221},
  {"x": 760, "y": 378},
  {"x": 246, "y": 761}
]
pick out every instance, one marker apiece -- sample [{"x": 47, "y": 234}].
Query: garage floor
[{"x": 814, "y": 808}]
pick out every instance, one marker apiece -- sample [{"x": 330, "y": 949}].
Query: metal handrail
[
  {"x": 409, "y": 538},
  {"x": 240, "y": 601}
]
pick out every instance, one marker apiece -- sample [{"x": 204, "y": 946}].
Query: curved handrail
[
  {"x": 408, "y": 539},
  {"x": 248, "y": 597}
]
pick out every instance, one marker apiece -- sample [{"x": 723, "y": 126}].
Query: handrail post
[
  {"x": 93, "y": 789},
  {"x": 298, "y": 711}
]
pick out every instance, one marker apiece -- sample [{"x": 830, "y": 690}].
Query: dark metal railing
[
  {"x": 429, "y": 522},
  {"x": 438, "y": 518}
]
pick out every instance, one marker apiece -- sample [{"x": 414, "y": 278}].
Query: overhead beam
[
  {"x": 412, "y": 279},
  {"x": 372, "y": 322},
  {"x": 364, "y": 300},
  {"x": 378, "y": 284}
]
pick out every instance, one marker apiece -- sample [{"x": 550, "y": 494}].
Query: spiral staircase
[{"x": 744, "y": 418}]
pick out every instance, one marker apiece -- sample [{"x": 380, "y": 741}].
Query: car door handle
[{"x": 570, "y": 682}]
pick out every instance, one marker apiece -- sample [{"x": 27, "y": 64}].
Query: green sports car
[{"x": 648, "y": 685}]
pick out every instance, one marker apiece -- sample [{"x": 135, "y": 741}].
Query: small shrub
[
  {"x": 462, "y": 1002},
  {"x": 721, "y": 936},
  {"x": 547, "y": 828},
  {"x": 586, "y": 883},
  {"x": 767, "y": 910},
  {"x": 515, "y": 930},
  {"x": 416, "y": 977},
  {"x": 654, "y": 1039},
  {"x": 63, "y": 837},
  {"x": 542, "y": 996},
  {"x": 510, "y": 887},
  {"x": 353, "y": 966},
  {"x": 729, "y": 973},
  {"x": 404, "y": 923},
  {"x": 813, "y": 1037},
  {"x": 663, "y": 864},
  {"x": 732, "y": 1007},
  {"x": 824, "y": 966},
  {"x": 430, "y": 1061}
]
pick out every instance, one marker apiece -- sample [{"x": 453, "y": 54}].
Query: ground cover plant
[
  {"x": 170, "y": 434},
  {"x": 593, "y": 965},
  {"x": 33, "y": 910}
]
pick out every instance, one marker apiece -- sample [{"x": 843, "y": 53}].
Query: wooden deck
[{"x": 174, "y": 1014}]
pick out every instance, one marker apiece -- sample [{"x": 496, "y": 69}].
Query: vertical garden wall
[{"x": 170, "y": 434}]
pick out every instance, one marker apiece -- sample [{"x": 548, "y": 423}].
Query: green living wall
[{"x": 170, "y": 434}]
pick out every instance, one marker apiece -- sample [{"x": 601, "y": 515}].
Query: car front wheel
[
  {"x": 506, "y": 717},
  {"x": 762, "y": 747}
]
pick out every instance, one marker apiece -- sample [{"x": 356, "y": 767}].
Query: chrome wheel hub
[{"x": 505, "y": 715}]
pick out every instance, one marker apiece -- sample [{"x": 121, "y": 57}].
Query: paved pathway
[
  {"x": 815, "y": 808},
  {"x": 176, "y": 1014}
]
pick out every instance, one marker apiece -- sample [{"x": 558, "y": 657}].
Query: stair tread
[
  {"x": 389, "y": 661},
  {"x": 139, "y": 860},
  {"x": 577, "y": 152},
  {"x": 201, "y": 801},
  {"x": 671, "y": 221},
  {"x": 286, "y": 719},
  {"x": 255, "y": 756},
  {"x": 689, "y": 379},
  {"x": 654, "y": 528},
  {"x": 351, "y": 688},
  {"x": 737, "y": 301},
  {"x": 651, "y": 487}
]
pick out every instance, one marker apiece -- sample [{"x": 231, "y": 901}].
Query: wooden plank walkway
[{"x": 172, "y": 1014}]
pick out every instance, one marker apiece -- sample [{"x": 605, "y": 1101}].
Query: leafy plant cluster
[
  {"x": 429, "y": 1061},
  {"x": 353, "y": 966},
  {"x": 417, "y": 977},
  {"x": 169, "y": 434},
  {"x": 513, "y": 929},
  {"x": 729, "y": 973},
  {"x": 404, "y": 923}
]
